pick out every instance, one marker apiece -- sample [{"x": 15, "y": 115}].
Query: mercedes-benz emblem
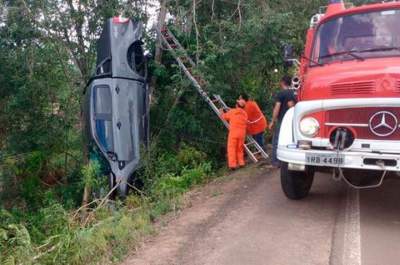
[{"x": 383, "y": 123}]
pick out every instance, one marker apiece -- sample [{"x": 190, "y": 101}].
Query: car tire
[
  {"x": 296, "y": 184},
  {"x": 111, "y": 185},
  {"x": 122, "y": 191}
]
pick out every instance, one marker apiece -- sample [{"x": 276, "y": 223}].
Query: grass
[{"x": 105, "y": 232}]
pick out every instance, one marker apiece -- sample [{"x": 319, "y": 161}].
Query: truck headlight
[{"x": 309, "y": 127}]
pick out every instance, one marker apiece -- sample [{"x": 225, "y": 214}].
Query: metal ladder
[{"x": 253, "y": 149}]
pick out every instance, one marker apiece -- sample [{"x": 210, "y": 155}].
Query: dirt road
[{"x": 246, "y": 220}]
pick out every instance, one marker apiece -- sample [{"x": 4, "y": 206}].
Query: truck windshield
[{"x": 358, "y": 37}]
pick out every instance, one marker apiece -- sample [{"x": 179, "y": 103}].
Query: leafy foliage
[{"x": 54, "y": 236}]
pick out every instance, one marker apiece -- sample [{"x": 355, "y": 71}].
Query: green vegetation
[
  {"x": 47, "y": 53},
  {"x": 51, "y": 234}
]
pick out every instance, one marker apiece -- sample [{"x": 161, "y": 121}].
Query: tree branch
[
  {"x": 212, "y": 10},
  {"x": 240, "y": 15},
  {"x": 197, "y": 31}
]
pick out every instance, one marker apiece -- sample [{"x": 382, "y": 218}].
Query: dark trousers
[
  {"x": 275, "y": 140},
  {"x": 259, "y": 138}
]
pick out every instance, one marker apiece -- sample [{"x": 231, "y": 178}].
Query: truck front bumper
[{"x": 344, "y": 159}]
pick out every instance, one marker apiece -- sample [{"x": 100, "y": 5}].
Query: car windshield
[{"x": 358, "y": 37}]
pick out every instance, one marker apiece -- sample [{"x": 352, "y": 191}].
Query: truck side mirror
[{"x": 288, "y": 54}]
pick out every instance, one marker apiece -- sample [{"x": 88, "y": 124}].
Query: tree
[{"x": 48, "y": 53}]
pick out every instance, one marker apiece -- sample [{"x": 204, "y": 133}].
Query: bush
[
  {"x": 59, "y": 239},
  {"x": 47, "y": 233},
  {"x": 15, "y": 245},
  {"x": 171, "y": 185}
]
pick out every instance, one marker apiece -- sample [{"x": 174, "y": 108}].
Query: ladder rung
[{"x": 251, "y": 142}]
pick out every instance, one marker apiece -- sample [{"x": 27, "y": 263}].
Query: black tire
[
  {"x": 111, "y": 184},
  {"x": 123, "y": 190},
  {"x": 296, "y": 184}
]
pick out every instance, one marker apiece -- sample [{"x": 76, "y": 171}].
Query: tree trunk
[
  {"x": 197, "y": 31},
  {"x": 88, "y": 189},
  {"x": 157, "y": 57},
  {"x": 160, "y": 23}
]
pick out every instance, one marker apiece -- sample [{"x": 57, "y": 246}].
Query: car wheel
[{"x": 111, "y": 185}]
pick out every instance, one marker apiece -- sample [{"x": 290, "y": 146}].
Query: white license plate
[{"x": 324, "y": 159}]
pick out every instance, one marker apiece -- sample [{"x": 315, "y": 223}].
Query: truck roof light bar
[{"x": 335, "y": 6}]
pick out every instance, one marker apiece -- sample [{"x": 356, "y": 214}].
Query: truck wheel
[{"x": 296, "y": 184}]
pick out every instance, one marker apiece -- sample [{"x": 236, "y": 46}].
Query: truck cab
[{"x": 347, "y": 119}]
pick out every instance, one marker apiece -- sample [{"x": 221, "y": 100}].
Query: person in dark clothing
[{"x": 284, "y": 100}]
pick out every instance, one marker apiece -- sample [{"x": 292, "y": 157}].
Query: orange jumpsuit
[
  {"x": 257, "y": 121},
  {"x": 237, "y": 119}
]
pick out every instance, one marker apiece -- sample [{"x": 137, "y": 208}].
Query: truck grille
[
  {"x": 354, "y": 88},
  {"x": 358, "y": 119}
]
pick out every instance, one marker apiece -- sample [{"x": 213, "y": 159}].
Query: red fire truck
[{"x": 347, "y": 119}]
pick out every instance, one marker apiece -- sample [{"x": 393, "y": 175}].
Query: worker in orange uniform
[
  {"x": 257, "y": 122},
  {"x": 237, "y": 119}
]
